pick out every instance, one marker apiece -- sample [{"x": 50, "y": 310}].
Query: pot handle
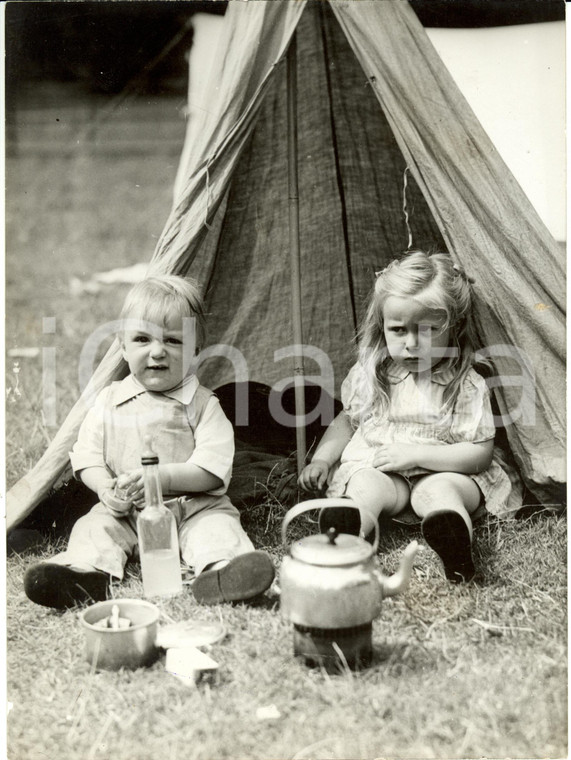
[{"x": 307, "y": 506}]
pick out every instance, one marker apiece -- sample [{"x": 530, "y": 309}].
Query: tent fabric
[
  {"x": 248, "y": 52},
  {"x": 351, "y": 219},
  {"x": 231, "y": 201}
]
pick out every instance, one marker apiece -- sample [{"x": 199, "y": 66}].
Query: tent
[{"x": 390, "y": 157}]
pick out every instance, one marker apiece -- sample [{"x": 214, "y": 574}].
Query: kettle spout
[{"x": 399, "y": 581}]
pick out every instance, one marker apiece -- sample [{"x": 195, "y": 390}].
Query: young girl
[{"x": 417, "y": 425}]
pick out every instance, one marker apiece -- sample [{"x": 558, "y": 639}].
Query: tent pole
[{"x": 293, "y": 202}]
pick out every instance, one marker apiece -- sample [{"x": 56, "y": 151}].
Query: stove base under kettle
[{"x": 334, "y": 649}]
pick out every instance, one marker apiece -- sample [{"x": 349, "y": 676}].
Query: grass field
[{"x": 458, "y": 672}]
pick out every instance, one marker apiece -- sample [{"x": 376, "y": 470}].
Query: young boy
[{"x": 195, "y": 444}]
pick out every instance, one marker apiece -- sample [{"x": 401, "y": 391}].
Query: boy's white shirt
[{"x": 214, "y": 435}]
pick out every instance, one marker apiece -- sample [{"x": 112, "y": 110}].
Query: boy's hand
[
  {"x": 314, "y": 475},
  {"x": 105, "y": 486},
  {"x": 133, "y": 487},
  {"x": 106, "y": 494}
]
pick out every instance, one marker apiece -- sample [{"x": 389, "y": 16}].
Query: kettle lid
[{"x": 332, "y": 549}]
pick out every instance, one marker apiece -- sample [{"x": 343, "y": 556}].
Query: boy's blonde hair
[
  {"x": 434, "y": 281},
  {"x": 162, "y": 298}
]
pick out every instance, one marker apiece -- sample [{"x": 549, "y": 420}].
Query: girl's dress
[{"x": 414, "y": 416}]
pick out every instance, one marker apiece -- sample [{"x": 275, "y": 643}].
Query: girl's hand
[
  {"x": 314, "y": 475},
  {"x": 395, "y": 456}
]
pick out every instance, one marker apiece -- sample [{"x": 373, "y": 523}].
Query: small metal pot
[{"x": 114, "y": 648}]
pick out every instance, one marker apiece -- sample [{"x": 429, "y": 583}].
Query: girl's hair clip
[{"x": 463, "y": 274}]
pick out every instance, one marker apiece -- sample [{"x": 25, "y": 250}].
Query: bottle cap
[{"x": 148, "y": 456}]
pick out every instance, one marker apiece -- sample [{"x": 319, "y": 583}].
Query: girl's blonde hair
[
  {"x": 433, "y": 281},
  {"x": 160, "y": 299}
]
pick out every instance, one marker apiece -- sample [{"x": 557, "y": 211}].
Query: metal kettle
[{"x": 332, "y": 590}]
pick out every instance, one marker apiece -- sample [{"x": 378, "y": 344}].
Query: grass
[
  {"x": 476, "y": 671},
  {"x": 458, "y": 672}
]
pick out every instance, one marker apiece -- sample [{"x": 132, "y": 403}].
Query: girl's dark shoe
[
  {"x": 343, "y": 519},
  {"x": 244, "y": 577},
  {"x": 446, "y": 532},
  {"x": 63, "y": 587}
]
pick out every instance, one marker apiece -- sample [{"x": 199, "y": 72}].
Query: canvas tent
[{"x": 390, "y": 156}]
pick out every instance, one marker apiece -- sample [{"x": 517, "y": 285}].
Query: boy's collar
[
  {"x": 130, "y": 388},
  {"x": 442, "y": 375}
]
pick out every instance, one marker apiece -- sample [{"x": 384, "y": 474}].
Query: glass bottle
[{"x": 158, "y": 536}]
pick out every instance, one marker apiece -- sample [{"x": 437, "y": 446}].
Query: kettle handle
[{"x": 306, "y": 506}]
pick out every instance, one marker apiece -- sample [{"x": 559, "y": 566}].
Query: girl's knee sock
[
  {"x": 343, "y": 519},
  {"x": 450, "y": 535},
  {"x": 351, "y": 519}
]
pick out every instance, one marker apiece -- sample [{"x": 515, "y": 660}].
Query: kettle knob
[{"x": 332, "y": 534}]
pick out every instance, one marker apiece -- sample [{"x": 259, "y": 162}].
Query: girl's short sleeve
[
  {"x": 352, "y": 390},
  {"x": 472, "y": 418}
]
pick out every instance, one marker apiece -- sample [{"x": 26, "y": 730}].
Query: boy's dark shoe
[
  {"x": 63, "y": 587},
  {"x": 343, "y": 519},
  {"x": 446, "y": 532},
  {"x": 244, "y": 577}
]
